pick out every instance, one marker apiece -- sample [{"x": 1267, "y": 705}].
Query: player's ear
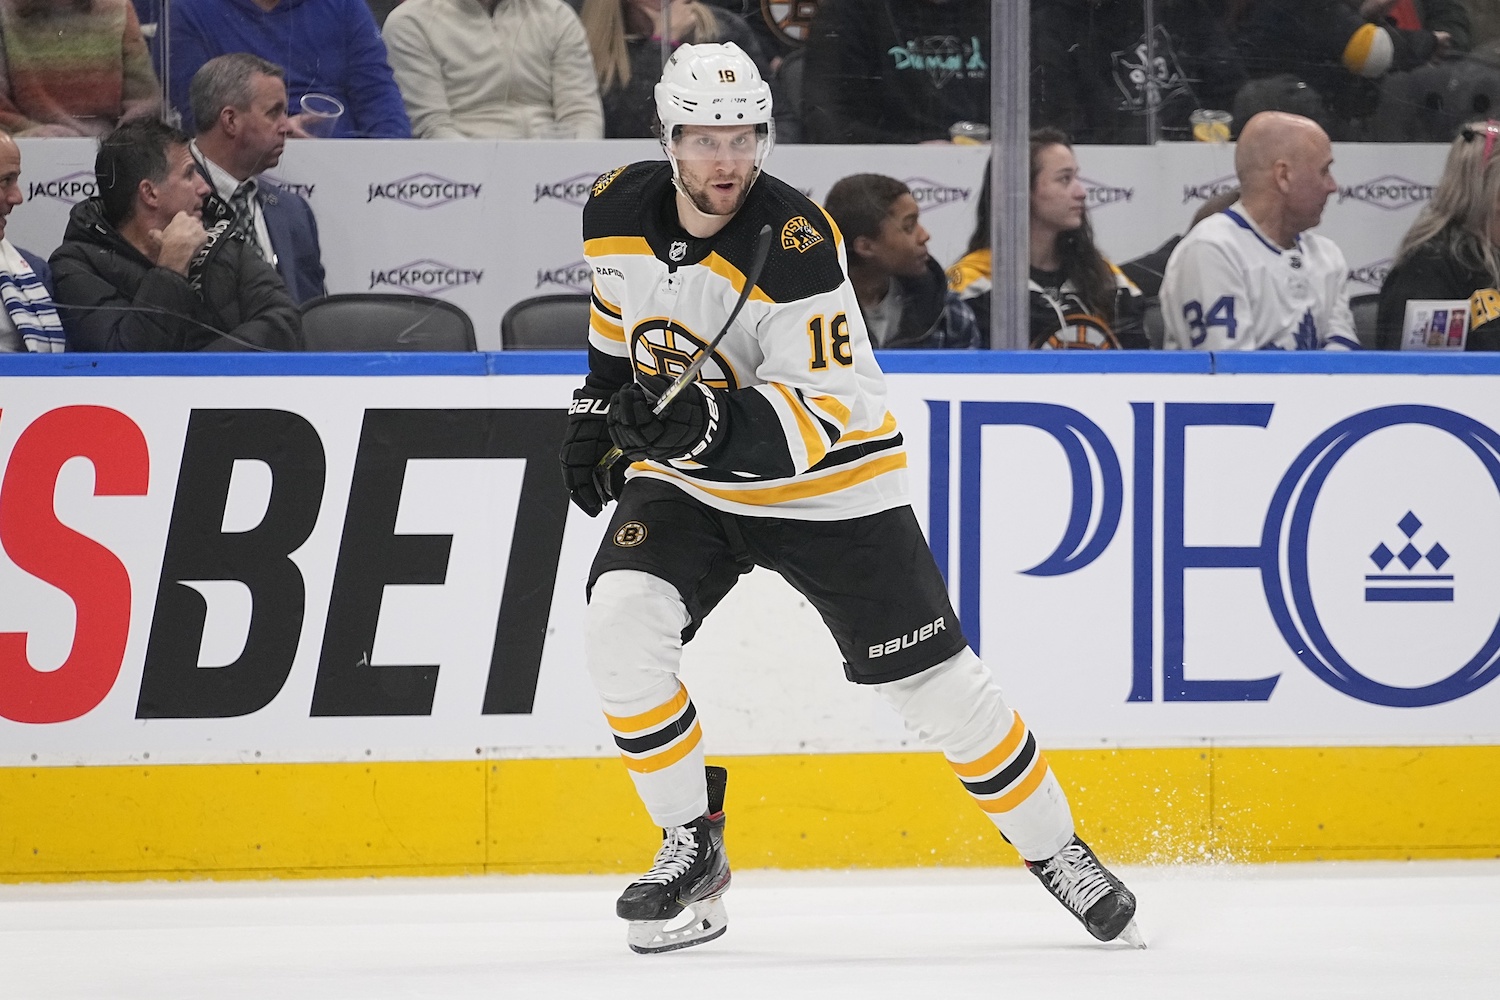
[{"x": 862, "y": 246}]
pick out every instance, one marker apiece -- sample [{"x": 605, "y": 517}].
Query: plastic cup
[
  {"x": 319, "y": 114},
  {"x": 1210, "y": 125}
]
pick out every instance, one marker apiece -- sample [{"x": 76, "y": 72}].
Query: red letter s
[{"x": 38, "y": 543}]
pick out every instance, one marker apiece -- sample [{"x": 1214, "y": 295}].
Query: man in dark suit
[{"x": 240, "y": 102}]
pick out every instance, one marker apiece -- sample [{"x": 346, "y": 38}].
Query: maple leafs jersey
[
  {"x": 809, "y": 433},
  {"x": 1229, "y": 288}
]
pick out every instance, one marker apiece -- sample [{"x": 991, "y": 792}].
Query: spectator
[
  {"x": 1252, "y": 277},
  {"x": 1450, "y": 17},
  {"x": 1078, "y": 299},
  {"x": 769, "y": 24},
  {"x": 1452, "y": 251},
  {"x": 1089, "y": 67},
  {"x": 1334, "y": 48},
  {"x": 138, "y": 272},
  {"x": 625, "y": 39},
  {"x": 72, "y": 67},
  {"x": 896, "y": 71},
  {"x": 1148, "y": 269},
  {"x": 494, "y": 69},
  {"x": 325, "y": 46},
  {"x": 29, "y": 321},
  {"x": 242, "y": 101},
  {"x": 901, "y": 290}
]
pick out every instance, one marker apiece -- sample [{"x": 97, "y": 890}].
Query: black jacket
[
  {"x": 902, "y": 72},
  {"x": 1432, "y": 273},
  {"x": 1088, "y": 66},
  {"x": 932, "y": 316},
  {"x": 232, "y": 290}
]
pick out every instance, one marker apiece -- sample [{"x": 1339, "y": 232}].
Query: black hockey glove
[
  {"x": 587, "y": 441},
  {"x": 693, "y": 424}
]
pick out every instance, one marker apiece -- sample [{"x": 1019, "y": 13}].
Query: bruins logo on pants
[{"x": 630, "y": 534}]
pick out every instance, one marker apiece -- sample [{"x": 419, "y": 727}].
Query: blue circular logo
[{"x": 1284, "y": 572}]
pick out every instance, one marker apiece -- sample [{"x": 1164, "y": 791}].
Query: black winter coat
[
  {"x": 1429, "y": 272},
  {"x": 895, "y": 72},
  {"x": 1089, "y": 72},
  {"x": 232, "y": 290}
]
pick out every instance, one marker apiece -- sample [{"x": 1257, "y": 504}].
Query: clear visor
[{"x": 744, "y": 143}]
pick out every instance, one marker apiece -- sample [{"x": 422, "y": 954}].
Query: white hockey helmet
[{"x": 713, "y": 84}]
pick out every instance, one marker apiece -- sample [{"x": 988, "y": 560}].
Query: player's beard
[{"x": 701, "y": 194}]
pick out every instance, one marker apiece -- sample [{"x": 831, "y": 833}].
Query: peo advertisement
[{"x": 315, "y": 568}]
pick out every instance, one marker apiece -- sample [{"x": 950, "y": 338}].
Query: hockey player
[
  {"x": 1252, "y": 278},
  {"x": 782, "y": 454}
]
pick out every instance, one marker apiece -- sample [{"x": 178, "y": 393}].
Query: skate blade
[
  {"x": 706, "y": 920},
  {"x": 1132, "y": 936}
]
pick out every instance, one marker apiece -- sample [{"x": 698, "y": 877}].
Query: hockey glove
[
  {"x": 587, "y": 441},
  {"x": 691, "y": 426}
]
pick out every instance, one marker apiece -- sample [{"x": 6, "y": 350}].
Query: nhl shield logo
[{"x": 678, "y": 250}]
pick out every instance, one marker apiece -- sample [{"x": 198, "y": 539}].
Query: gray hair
[{"x": 224, "y": 82}]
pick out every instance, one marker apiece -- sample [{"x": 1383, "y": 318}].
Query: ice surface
[{"x": 1366, "y": 930}]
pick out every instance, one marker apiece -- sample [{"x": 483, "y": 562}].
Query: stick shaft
[{"x": 757, "y": 264}]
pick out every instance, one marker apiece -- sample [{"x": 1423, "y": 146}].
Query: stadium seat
[
  {"x": 547, "y": 323},
  {"x": 1364, "y": 308},
  {"x": 374, "y": 321},
  {"x": 1155, "y": 330}
]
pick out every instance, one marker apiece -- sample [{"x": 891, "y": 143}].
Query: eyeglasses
[{"x": 1490, "y": 130}]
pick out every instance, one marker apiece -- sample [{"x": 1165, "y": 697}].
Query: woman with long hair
[
  {"x": 625, "y": 37},
  {"x": 1452, "y": 251},
  {"x": 1078, "y": 298}
]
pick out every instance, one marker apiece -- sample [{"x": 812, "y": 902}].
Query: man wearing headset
[
  {"x": 781, "y": 454},
  {"x": 137, "y": 270}
]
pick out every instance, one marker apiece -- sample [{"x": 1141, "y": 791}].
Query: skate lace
[
  {"x": 1076, "y": 878},
  {"x": 679, "y": 849}
]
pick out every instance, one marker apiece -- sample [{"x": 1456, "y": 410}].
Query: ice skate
[
  {"x": 1090, "y": 892},
  {"x": 690, "y": 874}
]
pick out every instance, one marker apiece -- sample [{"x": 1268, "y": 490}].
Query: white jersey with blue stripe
[{"x": 1229, "y": 288}]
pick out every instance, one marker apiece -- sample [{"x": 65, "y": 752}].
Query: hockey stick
[{"x": 757, "y": 264}]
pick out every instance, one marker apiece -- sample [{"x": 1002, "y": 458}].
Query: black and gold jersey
[{"x": 810, "y": 435}]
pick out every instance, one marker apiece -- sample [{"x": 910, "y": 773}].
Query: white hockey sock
[
  {"x": 633, "y": 647},
  {"x": 957, "y": 707}
]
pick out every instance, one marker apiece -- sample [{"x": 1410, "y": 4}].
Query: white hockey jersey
[
  {"x": 809, "y": 433},
  {"x": 1229, "y": 288}
]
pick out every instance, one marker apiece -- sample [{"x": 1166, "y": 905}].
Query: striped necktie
[{"x": 244, "y": 216}]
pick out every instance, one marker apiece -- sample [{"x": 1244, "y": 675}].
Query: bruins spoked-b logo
[
  {"x": 630, "y": 534},
  {"x": 660, "y": 349},
  {"x": 799, "y": 235}
]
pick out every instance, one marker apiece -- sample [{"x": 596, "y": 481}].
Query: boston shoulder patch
[
  {"x": 799, "y": 235},
  {"x": 605, "y": 180}
]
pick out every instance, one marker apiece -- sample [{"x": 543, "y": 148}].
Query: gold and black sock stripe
[
  {"x": 1007, "y": 774},
  {"x": 659, "y": 737}
]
